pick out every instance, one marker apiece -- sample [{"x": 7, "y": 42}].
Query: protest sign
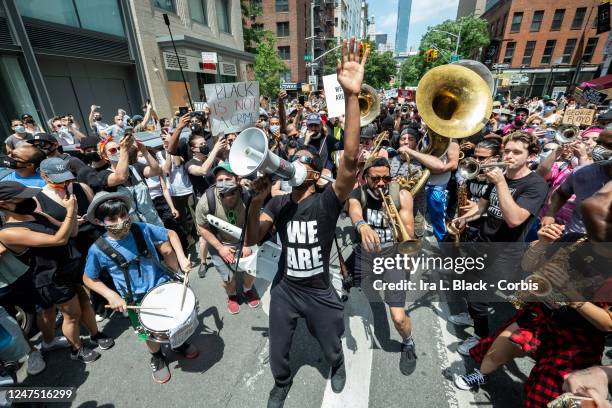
[
  {"x": 390, "y": 93},
  {"x": 334, "y": 96},
  {"x": 233, "y": 106},
  {"x": 593, "y": 96},
  {"x": 577, "y": 117},
  {"x": 199, "y": 106}
]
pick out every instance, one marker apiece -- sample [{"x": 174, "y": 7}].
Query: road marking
[{"x": 358, "y": 352}]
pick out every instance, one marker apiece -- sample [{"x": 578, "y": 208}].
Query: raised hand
[{"x": 350, "y": 70}]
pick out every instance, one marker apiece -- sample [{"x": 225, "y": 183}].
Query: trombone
[{"x": 470, "y": 168}]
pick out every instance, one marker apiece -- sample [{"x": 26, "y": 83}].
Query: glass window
[
  {"x": 167, "y": 5},
  {"x": 568, "y": 51},
  {"x": 284, "y": 53},
  {"x": 557, "y": 20},
  {"x": 282, "y": 5},
  {"x": 198, "y": 11},
  {"x": 578, "y": 18},
  {"x": 257, "y": 26},
  {"x": 223, "y": 16},
  {"x": 100, "y": 15},
  {"x": 549, "y": 49},
  {"x": 282, "y": 29},
  {"x": 285, "y": 76},
  {"x": 54, "y": 11},
  {"x": 589, "y": 50},
  {"x": 517, "y": 19},
  {"x": 529, "y": 47},
  {"x": 536, "y": 23},
  {"x": 510, "y": 47}
]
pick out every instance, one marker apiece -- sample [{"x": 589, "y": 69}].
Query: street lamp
[{"x": 457, "y": 36}]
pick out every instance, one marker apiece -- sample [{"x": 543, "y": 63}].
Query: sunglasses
[
  {"x": 376, "y": 179},
  {"x": 311, "y": 161},
  {"x": 113, "y": 150},
  {"x": 481, "y": 158}
]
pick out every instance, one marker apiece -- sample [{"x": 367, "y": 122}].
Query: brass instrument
[
  {"x": 470, "y": 168},
  {"x": 406, "y": 245},
  {"x": 369, "y": 104},
  {"x": 381, "y": 140},
  {"x": 454, "y": 101},
  {"x": 566, "y": 134}
]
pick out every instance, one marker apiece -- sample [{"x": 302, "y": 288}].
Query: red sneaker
[
  {"x": 252, "y": 298},
  {"x": 232, "y": 305}
]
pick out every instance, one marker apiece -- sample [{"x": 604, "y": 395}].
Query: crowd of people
[{"x": 95, "y": 230}]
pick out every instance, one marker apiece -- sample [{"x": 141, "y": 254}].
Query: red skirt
[{"x": 562, "y": 350}]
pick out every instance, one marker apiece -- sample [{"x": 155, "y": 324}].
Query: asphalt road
[{"x": 232, "y": 370}]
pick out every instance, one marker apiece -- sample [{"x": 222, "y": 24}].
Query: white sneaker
[
  {"x": 465, "y": 347},
  {"x": 36, "y": 363},
  {"x": 461, "y": 319},
  {"x": 56, "y": 343},
  {"x": 471, "y": 381}
]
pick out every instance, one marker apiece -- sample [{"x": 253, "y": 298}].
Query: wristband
[{"x": 358, "y": 225}]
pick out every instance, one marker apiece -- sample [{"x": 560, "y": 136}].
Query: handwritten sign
[
  {"x": 390, "y": 93},
  {"x": 334, "y": 96},
  {"x": 577, "y": 117},
  {"x": 593, "y": 96},
  {"x": 233, "y": 106}
]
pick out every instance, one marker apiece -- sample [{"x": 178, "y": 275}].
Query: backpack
[{"x": 394, "y": 192}]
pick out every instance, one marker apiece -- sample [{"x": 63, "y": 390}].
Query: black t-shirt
[
  {"x": 477, "y": 188},
  {"x": 529, "y": 193},
  {"x": 200, "y": 183},
  {"x": 306, "y": 232},
  {"x": 93, "y": 177},
  {"x": 373, "y": 214},
  {"x": 74, "y": 164},
  {"x": 131, "y": 181}
]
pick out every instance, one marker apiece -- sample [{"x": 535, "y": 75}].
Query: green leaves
[{"x": 268, "y": 65}]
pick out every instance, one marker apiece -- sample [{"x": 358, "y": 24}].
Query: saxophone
[{"x": 414, "y": 181}]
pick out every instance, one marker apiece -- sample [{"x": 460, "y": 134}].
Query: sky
[{"x": 423, "y": 14}]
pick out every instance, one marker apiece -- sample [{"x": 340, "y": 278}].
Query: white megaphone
[{"x": 250, "y": 153}]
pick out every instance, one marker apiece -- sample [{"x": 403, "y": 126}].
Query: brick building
[{"x": 544, "y": 46}]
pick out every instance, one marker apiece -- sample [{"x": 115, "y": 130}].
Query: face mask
[
  {"x": 196, "y": 128},
  {"x": 92, "y": 157},
  {"x": 518, "y": 122},
  {"x": 548, "y": 110},
  {"x": 9, "y": 162},
  {"x": 114, "y": 158},
  {"x": 120, "y": 228},
  {"x": 57, "y": 186},
  {"x": 63, "y": 129},
  {"x": 226, "y": 186},
  {"x": 274, "y": 128},
  {"x": 19, "y": 129},
  {"x": 204, "y": 149},
  {"x": 25, "y": 207},
  {"x": 98, "y": 119}
]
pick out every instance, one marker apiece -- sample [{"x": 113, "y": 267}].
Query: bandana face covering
[
  {"x": 119, "y": 229},
  {"x": 226, "y": 186}
]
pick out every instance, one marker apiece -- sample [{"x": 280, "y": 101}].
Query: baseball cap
[
  {"x": 521, "y": 109},
  {"x": 368, "y": 132},
  {"x": 223, "y": 166},
  {"x": 55, "y": 168},
  {"x": 313, "y": 119},
  {"x": 376, "y": 162},
  {"x": 13, "y": 189},
  {"x": 90, "y": 141},
  {"x": 42, "y": 137},
  {"x": 410, "y": 131}
]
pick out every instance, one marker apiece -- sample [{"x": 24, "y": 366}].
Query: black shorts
[{"x": 56, "y": 294}]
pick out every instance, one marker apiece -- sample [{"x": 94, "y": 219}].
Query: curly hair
[{"x": 528, "y": 139}]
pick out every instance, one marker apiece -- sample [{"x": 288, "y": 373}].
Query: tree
[
  {"x": 331, "y": 60},
  {"x": 268, "y": 65},
  {"x": 474, "y": 36},
  {"x": 252, "y": 34}
]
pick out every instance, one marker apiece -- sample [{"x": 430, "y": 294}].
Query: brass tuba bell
[
  {"x": 454, "y": 101},
  {"x": 369, "y": 105}
]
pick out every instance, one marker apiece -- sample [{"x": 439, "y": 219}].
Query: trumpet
[
  {"x": 470, "y": 168},
  {"x": 406, "y": 245}
]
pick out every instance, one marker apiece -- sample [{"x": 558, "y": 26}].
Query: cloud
[
  {"x": 386, "y": 23},
  {"x": 422, "y": 11}
]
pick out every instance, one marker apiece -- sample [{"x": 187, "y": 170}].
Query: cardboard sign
[
  {"x": 577, "y": 117},
  {"x": 407, "y": 94},
  {"x": 390, "y": 93},
  {"x": 334, "y": 96},
  {"x": 593, "y": 96},
  {"x": 233, "y": 106}
]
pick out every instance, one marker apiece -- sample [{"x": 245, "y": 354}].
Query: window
[
  {"x": 167, "y": 5},
  {"x": 282, "y": 29},
  {"x": 589, "y": 50},
  {"x": 557, "y": 20},
  {"x": 568, "y": 51},
  {"x": 257, "y": 26},
  {"x": 223, "y": 16},
  {"x": 549, "y": 49},
  {"x": 285, "y": 76},
  {"x": 578, "y": 18},
  {"x": 282, "y": 5},
  {"x": 198, "y": 8},
  {"x": 509, "y": 52},
  {"x": 536, "y": 23},
  {"x": 529, "y": 47},
  {"x": 517, "y": 19},
  {"x": 284, "y": 53}
]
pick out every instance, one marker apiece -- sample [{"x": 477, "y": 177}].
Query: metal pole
[
  {"x": 312, "y": 40},
  {"x": 458, "y": 41},
  {"x": 167, "y": 21}
]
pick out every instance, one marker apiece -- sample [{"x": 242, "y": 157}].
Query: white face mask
[{"x": 114, "y": 158}]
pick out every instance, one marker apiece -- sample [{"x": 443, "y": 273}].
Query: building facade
[
  {"x": 543, "y": 46},
  {"x": 197, "y": 26},
  {"x": 403, "y": 24},
  {"x": 364, "y": 21},
  {"x": 470, "y": 8},
  {"x": 347, "y": 19}
]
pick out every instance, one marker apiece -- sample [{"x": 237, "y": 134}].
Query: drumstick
[
  {"x": 139, "y": 307},
  {"x": 185, "y": 283}
]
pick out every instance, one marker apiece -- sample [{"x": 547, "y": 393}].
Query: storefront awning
[
  {"x": 603, "y": 82},
  {"x": 187, "y": 41}
]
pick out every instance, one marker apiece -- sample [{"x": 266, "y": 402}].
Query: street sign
[
  {"x": 307, "y": 57},
  {"x": 289, "y": 86},
  {"x": 312, "y": 64},
  {"x": 209, "y": 61},
  {"x": 313, "y": 80},
  {"x": 455, "y": 58},
  {"x": 501, "y": 66}
]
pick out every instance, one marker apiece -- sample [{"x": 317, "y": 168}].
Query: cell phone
[
  {"x": 301, "y": 99},
  {"x": 183, "y": 110},
  {"x": 66, "y": 191}
]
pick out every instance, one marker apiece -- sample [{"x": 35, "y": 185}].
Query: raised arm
[
  {"x": 350, "y": 75},
  {"x": 282, "y": 115},
  {"x": 121, "y": 173},
  {"x": 176, "y": 135},
  {"x": 258, "y": 223}
]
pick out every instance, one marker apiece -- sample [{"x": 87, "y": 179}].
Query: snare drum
[{"x": 169, "y": 324}]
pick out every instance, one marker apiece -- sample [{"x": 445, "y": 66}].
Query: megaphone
[{"x": 250, "y": 153}]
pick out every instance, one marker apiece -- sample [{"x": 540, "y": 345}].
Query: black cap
[
  {"x": 388, "y": 122},
  {"x": 521, "y": 109},
  {"x": 44, "y": 137},
  {"x": 13, "y": 189},
  {"x": 410, "y": 131},
  {"x": 368, "y": 132}
]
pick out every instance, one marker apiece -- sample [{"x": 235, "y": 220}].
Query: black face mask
[
  {"x": 204, "y": 149},
  {"x": 25, "y": 207},
  {"x": 196, "y": 128},
  {"x": 98, "y": 118},
  {"x": 47, "y": 150},
  {"x": 8, "y": 162},
  {"x": 91, "y": 157}
]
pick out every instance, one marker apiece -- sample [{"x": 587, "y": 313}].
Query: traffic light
[{"x": 431, "y": 55}]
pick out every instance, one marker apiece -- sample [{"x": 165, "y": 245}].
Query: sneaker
[
  {"x": 232, "y": 304},
  {"x": 465, "y": 347},
  {"x": 408, "y": 358},
  {"x": 84, "y": 354},
  {"x": 36, "y": 363},
  {"x": 338, "y": 378},
  {"x": 100, "y": 318},
  {"x": 471, "y": 381},
  {"x": 252, "y": 298},
  {"x": 189, "y": 351},
  {"x": 461, "y": 319},
  {"x": 161, "y": 372},
  {"x": 103, "y": 341},
  {"x": 278, "y": 396},
  {"x": 202, "y": 269},
  {"x": 56, "y": 343}
]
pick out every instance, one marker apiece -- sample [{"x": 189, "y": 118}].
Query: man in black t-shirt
[
  {"x": 511, "y": 202},
  {"x": 367, "y": 213},
  {"x": 306, "y": 222}
]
